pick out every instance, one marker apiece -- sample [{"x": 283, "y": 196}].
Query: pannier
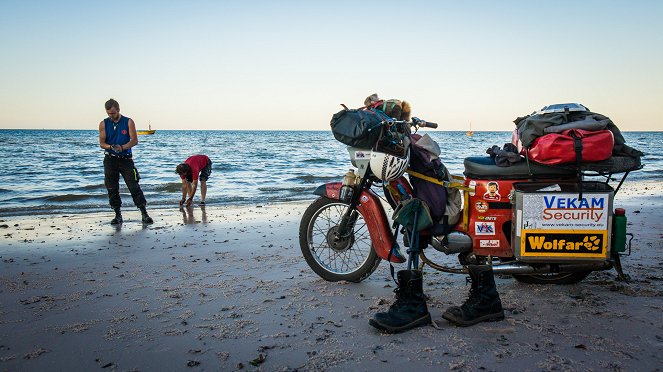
[
  {"x": 358, "y": 128},
  {"x": 572, "y": 145}
]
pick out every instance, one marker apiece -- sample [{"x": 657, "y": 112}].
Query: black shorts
[{"x": 205, "y": 172}]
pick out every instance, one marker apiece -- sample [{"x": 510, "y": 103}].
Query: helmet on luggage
[{"x": 389, "y": 167}]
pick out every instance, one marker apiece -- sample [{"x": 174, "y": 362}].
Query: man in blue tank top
[{"x": 117, "y": 135}]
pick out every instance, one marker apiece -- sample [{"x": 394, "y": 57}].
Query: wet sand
[{"x": 226, "y": 288}]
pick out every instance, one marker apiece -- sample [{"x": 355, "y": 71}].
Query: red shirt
[{"x": 197, "y": 163}]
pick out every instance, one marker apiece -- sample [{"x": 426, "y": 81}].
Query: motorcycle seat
[{"x": 483, "y": 167}]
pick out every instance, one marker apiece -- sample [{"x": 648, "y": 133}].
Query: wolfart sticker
[
  {"x": 587, "y": 243},
  {"x": 562, "y": 211}
]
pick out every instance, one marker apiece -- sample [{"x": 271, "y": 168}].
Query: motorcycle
[{"x": 540, "y": 224}]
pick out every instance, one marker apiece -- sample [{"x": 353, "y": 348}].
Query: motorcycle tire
[
  {"x": 352, "y": 259},
  {"x": 553, "y": 278}
]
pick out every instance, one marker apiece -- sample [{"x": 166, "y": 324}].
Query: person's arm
[
  {"x": 102, "y": 136},
  {"x": 194, "y": 187},
  {"x": 133, "y": 136},
  {"x": 185, "y": 190}
]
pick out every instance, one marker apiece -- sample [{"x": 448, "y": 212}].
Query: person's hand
[
  {"x": 182, "y": 201},
  {"x": 189, "y": 201},
  {"x": 116, "y": 148}
]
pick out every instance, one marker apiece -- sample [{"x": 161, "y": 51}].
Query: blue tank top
[{"x": 117, "y": 134}]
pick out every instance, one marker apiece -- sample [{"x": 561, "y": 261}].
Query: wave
[
  {"x": 309, "y": 178},
  {"x": 71, "y": 197},
  {"x": 168, "y": 187},
  {"x": 296, "y": 189},
  {"x": 319, "y": 161}
]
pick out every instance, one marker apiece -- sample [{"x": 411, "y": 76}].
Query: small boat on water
[
  {"x": 469, "y": 133},
  {"x": 146, "y": 131}
]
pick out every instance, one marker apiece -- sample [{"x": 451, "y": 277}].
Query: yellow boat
[
  {"x": 470, "y": 133},
  {"x": 146, "y": 131}
]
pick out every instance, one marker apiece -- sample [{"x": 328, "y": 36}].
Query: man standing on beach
[
  {"x": 193, "y": 168},
  {"x": 117, "y": 135}
]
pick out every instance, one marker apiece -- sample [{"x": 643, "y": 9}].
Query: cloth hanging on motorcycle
[
  {"x": 424, "y": 160},
  {"x": 413, "y": 214},
  {"x": 506, "y": 156},
  {"x": 572, "y": 145},
  {"x": 358, "y": 128}
]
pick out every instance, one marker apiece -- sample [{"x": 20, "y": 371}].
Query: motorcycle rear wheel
[
  {"x": 552, "y": 278},
  {"x": 352, "y": 259}
]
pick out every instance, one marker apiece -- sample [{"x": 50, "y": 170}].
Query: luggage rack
[{"x": 607, "y": 169}]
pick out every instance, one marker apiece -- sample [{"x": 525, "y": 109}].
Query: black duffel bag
[{"x": 358, "y": 128}]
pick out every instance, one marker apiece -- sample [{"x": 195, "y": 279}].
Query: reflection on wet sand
[{"x": 189, "y": 217}]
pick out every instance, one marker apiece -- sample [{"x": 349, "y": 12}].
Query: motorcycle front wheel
[{"x": 352, "y": 258}]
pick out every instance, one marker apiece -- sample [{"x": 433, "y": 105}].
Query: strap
[
  {"x": 455, "y": 185},
  {"x": 577, "y": 147},
  {"x": 391, "y": 251}
]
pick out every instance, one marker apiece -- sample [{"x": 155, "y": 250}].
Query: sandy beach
[{"x": 226, "y": 288}]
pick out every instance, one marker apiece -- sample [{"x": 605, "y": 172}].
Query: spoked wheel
[
  {"x": 552, "y": 278},
  {"x": 349, "y": 258}
]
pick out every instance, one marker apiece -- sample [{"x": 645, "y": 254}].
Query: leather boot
[
  {"x": 409, "y": 310},
  {"x": 145, "y": 217},
  {"x": 118, "y": 217},
  {"x": 483, "y": 304}
]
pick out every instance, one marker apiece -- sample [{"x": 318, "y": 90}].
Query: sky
[{"x": 288, "y": 65}]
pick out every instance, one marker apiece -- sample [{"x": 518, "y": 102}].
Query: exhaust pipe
[{"x": 525, "y": 268}]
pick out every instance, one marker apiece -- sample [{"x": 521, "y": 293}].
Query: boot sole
[
  {"x": 466, "y": 323},
  {"x": 424, "y": 320}
]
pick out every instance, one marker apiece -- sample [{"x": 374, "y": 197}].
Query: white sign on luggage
[{"x": 562, "y": 211}]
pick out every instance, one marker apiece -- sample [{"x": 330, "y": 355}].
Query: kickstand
[{"x": 618, "y": 267}]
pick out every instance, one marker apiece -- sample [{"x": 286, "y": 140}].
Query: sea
[{"x": 61, "y": 171}]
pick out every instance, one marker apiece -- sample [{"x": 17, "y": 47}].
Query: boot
[
  {"x": 409, "y": 310},
  {"x": 484, "y": 303},
  {"x": 118, "y": 217},
  {"x": 146, "y": 218}
]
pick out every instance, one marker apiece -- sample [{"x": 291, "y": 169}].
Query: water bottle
[
  {"x": 619, "y": 230},
  {"x": 347, "y": 187}
]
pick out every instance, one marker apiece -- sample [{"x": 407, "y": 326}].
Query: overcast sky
[{"x": 289, "y": 64}]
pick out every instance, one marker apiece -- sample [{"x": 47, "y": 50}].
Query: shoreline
[{"x": 229, "y": 287}]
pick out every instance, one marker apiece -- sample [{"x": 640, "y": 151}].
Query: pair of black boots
[
  {"x": 410, "y": 309},
  {"x": 146, "y": 219}
]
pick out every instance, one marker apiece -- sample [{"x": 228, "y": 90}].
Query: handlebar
[
  {"x": 423, "y": 123},
  {"x": 415, "y": 122}
]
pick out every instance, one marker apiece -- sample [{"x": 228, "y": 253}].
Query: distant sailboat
[
  {"x": 469, "y": 133},
  {"x": 146, "y": 131}
]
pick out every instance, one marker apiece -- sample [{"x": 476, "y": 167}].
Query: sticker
[
  {"x": 484, "y": 228},
  {"x": 364, "y": 198},
  {"x": 563, "y": 211},
  {"x": 360, "y": 155},
  {"x": 587, "y": 243},
  {"x": 493, "y": 191},
  {"x": 493, "y": 243},
  {"x": 481, "y": 206}
]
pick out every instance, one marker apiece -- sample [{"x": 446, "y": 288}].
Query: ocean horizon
[{"x": 50, "y": 171}]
